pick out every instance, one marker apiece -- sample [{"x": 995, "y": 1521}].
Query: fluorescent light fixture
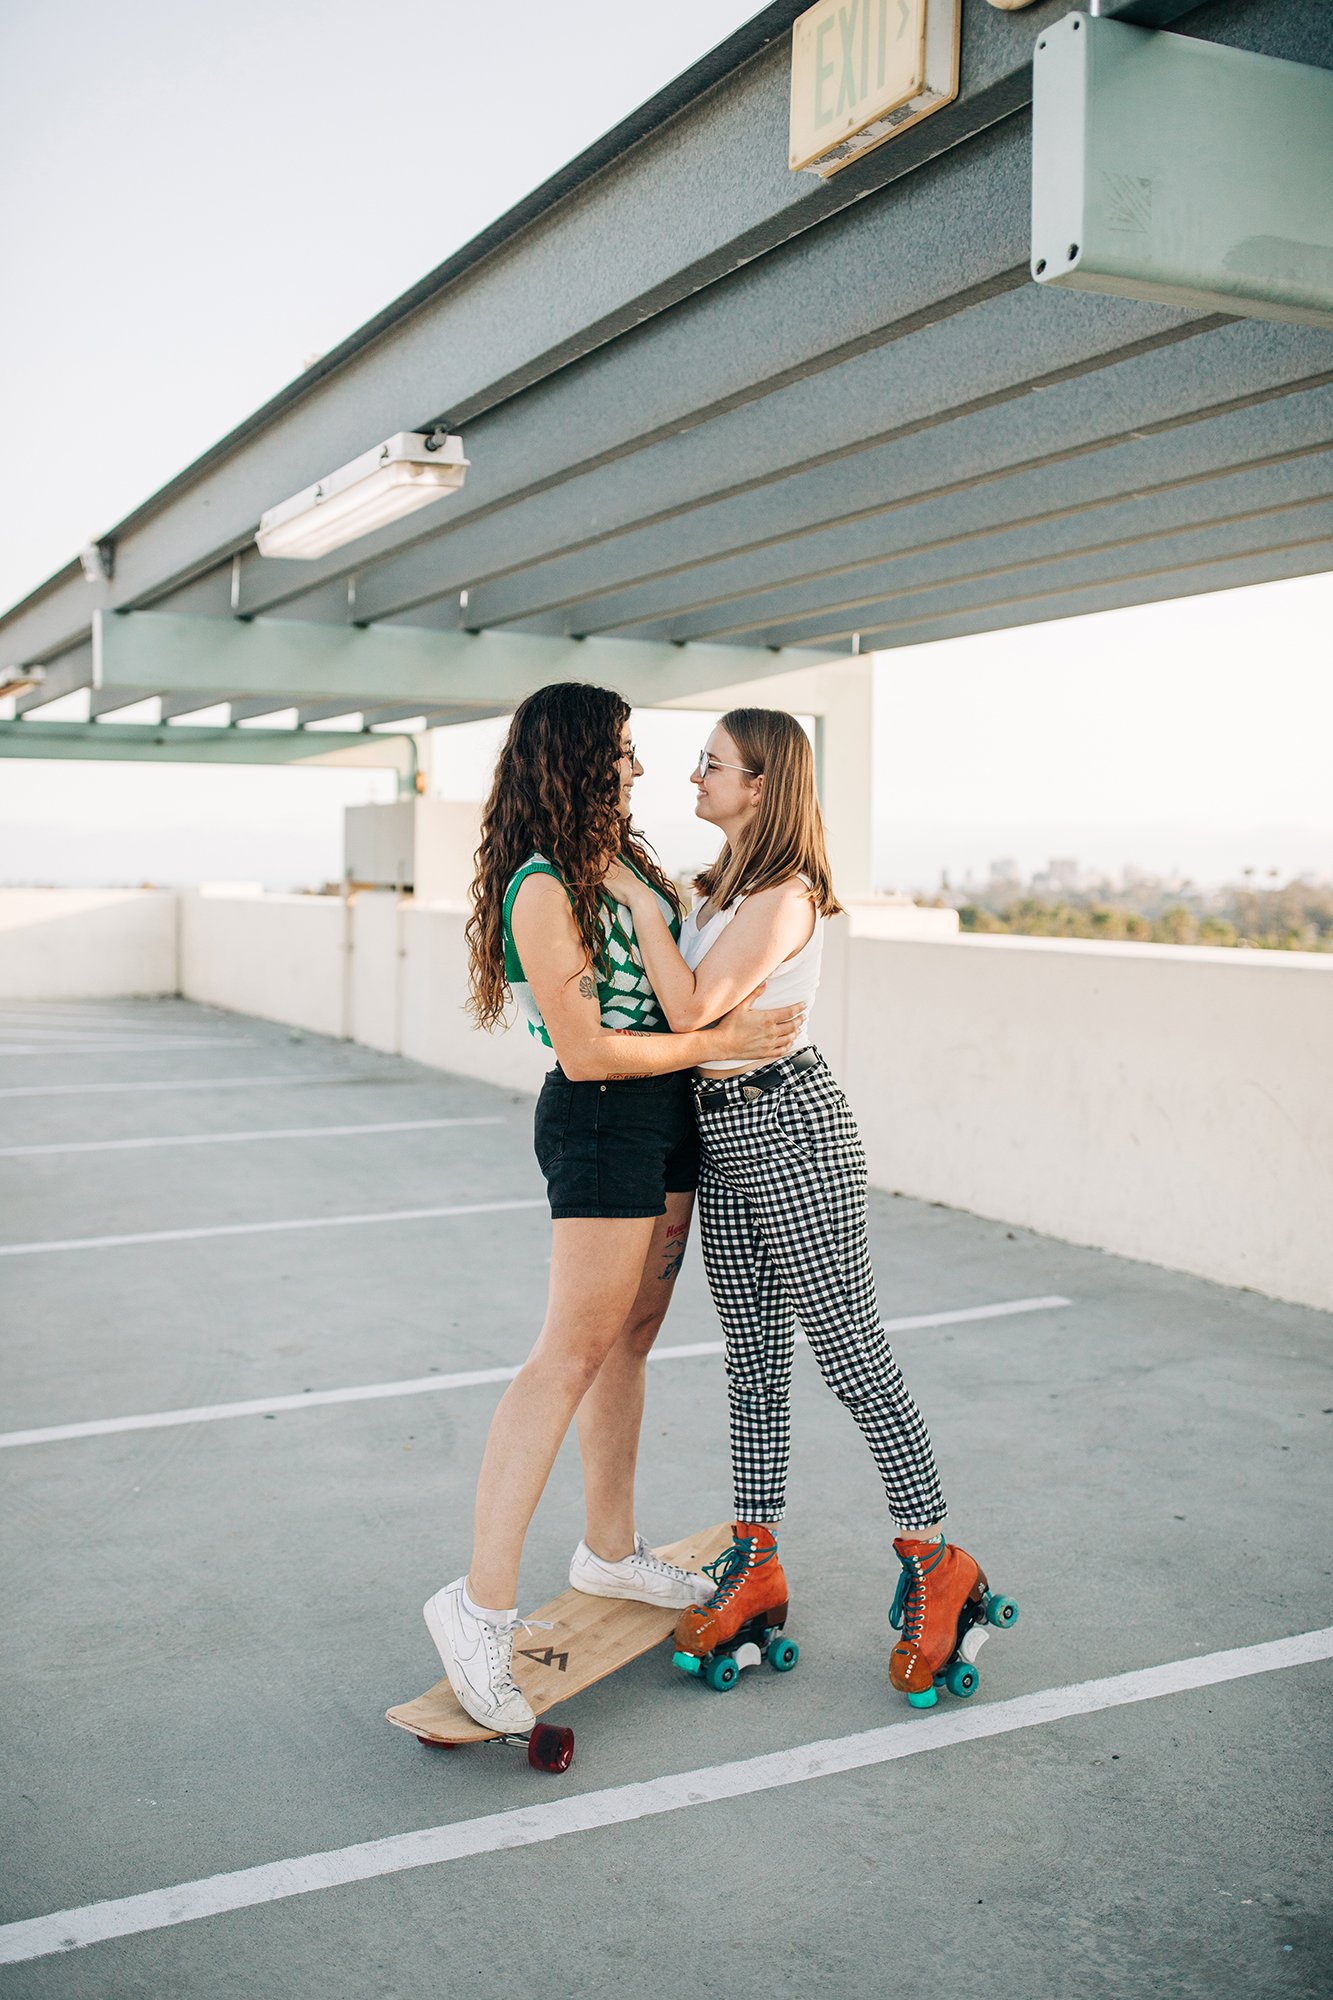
[
  {"x": 20, "y": 680},
  {"x": 407, "y": 471}
]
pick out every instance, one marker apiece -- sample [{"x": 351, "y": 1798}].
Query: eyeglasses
[
  {"x": 630, "y": 752},
  {"x": 706, "y": 765}
]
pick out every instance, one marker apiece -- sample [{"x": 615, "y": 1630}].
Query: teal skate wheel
[
  {"x": 687, "y": 1662},
  {"x": 722, "y": 1673},
  {"x": 926, "y": 1699},
  {"x": 783, "y": 1655},
  {"x": 961, "y": 1678},
  {"x": 1001, "y": 1611}
]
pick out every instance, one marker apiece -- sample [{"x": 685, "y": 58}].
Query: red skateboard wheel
[{"x": 550, "y": 1748}]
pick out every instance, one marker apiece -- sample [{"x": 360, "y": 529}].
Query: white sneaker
[
  {"x": 479, "y": 1660},
  {"x": 641, "y": 1576}
]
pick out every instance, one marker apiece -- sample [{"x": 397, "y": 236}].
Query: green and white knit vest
[{"x": 626, "y": 998}]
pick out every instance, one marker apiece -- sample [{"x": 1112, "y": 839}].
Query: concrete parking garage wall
[
  {"x": 283, "y": 958},
  {"x": 1166, "y": 1103},
  {"x": 87, "y": 944}
]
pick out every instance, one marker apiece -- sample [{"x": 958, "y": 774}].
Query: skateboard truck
[
  {"x": 755, "y": 1641},
  {"x": 550, "y": 1748}
]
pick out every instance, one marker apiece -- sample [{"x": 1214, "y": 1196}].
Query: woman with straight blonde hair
[{"x": 782, "y": 1201}]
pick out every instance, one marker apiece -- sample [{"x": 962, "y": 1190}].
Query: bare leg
[
  {"x": 596, "y": 1267},
  {"x": 611, "y": 1413}
]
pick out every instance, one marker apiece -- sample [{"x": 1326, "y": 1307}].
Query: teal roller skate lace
[
  {"x": 908, "y": 1610},
  {"x": 728, "y": 1571}
]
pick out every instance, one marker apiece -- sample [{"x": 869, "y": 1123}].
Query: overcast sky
[{"x": 197, "y": 200}]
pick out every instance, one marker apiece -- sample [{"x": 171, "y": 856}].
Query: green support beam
[
  {"x": 299, "y": 664},
  {"x": 139, "y": 742}
]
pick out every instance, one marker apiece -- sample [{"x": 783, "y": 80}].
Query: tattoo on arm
[
  {"x": 588, "y": 987},
  {"x": 620, "y": 1076}
]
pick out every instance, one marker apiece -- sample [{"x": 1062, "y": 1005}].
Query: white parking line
[
  {"x": 92, "y": 1031},
  {"x": 427, "y": 1385},
  {"x": 236, "y": 1138},
  {"x": 284, "y": 1079},
  {"x": 138, "y": 1047},
  {"x": 621, "y": 1805},
  {"x": 262, "y": 1228}
]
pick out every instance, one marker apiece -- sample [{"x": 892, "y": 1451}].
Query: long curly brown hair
[{"x": 556, "y": 793}]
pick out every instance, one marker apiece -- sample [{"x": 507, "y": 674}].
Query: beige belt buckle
[{"x": 749, "y": 1091}]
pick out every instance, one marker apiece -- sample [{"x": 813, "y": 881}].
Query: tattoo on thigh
[{"x": 675, "y": 1251}]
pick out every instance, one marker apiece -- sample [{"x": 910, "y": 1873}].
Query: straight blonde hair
[{"x": 786, "y": 836}]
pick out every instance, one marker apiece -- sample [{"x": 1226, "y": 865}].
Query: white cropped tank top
[{"x": 790, "y": 984}]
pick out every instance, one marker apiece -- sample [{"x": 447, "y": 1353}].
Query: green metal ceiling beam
[
  {"x": 299, "y": 664},
  {"x": 140, "y": 742}
]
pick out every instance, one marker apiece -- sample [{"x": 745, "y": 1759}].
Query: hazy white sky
[{"x": 197, "y": 199}]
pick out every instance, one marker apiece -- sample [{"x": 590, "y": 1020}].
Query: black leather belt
[{"x": 712, "y": 1091}]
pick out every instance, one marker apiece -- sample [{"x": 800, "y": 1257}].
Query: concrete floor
[{"x": 206, "y": 1621}]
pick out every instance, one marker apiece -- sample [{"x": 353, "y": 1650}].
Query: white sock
[{"x": 484, "y": 1611}]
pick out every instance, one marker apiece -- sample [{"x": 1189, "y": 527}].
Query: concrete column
[{"x": 845, "y": 751}]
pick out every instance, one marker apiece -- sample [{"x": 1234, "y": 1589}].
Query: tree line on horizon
[{"x": 1298, "y": 916}]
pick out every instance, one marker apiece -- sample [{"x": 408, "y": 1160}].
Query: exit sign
[{"x": 864, "y": 70}]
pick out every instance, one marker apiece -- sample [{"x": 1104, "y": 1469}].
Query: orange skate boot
[
  {"x": 741, "y": 1623},
  {"x": 942, "y": 1607}
]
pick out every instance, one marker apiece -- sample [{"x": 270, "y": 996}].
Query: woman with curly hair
[
  {"x": 615, "y": 1138},
  {"x": 782, "y": 1200}
]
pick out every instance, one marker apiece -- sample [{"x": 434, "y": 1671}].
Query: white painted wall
[
  {"x": 283, "y": 958},
  {"x": 1165, "y": 1102},
  {"x": 435, "y": 1027},
  {"x": 86, "y": 944}
]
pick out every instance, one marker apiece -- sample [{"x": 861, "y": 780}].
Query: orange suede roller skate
[
  {"x": 943, "y": 1608},
  {"x": 741, "y": 1623}
]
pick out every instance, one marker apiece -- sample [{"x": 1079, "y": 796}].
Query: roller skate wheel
[
  {"x": 1001, "y": 1611},
  {"x": 782, "y": 1655},
  {"x": 550, "y": 1749},
  {"x": 927, "y": 1698},
  {"x": 722, "y": 1673},
  {"x": 961, "y": 1679},
  {"x": 688, "y": 1663}
]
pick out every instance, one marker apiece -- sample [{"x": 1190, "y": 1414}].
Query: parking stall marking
[
  {"x": 236, "y": 1138},
  {"x": 426, "y": 1385},
  {"x": 284, "y": 1079},
  {"x": 138, "y": 1047},
  {"x": 263, "y": 1228},
  {"x": 621, "y": 1805}
]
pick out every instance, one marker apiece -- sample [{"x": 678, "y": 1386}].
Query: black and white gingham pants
[{"x": 782, "y": 1210}]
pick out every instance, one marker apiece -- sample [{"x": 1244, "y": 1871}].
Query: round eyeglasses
[{"x": 707, "y": 764}]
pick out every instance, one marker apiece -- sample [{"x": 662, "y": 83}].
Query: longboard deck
[{"x": 590, "y": 1637}]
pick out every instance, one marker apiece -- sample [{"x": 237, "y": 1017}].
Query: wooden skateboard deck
[{"x": 589, "y": 1638}]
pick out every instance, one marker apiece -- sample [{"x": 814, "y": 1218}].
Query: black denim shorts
[{"x": 616, "y": 1149}]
